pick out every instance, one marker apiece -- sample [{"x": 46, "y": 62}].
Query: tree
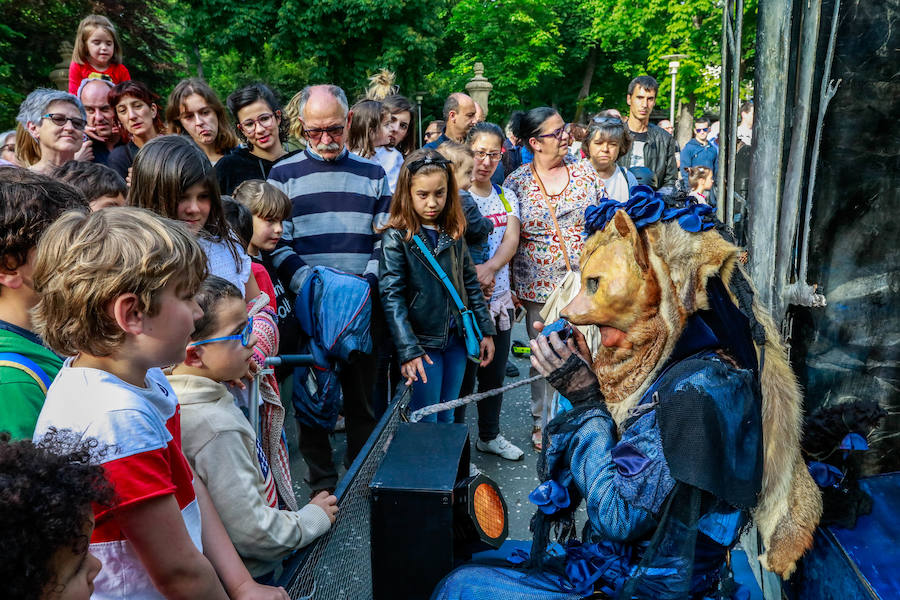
[{"x": 32, "y": 31}]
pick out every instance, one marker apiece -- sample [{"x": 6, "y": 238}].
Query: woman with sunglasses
[
  {"x": 50, "y": 129},
  {"x": 263, "y": 127},
  {"x": 553, "y": 191}
]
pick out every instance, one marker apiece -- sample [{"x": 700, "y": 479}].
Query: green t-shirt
[{"x": 21, "y": 397}]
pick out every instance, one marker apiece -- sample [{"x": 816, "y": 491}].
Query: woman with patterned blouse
[{"x": 553, "y": 192}]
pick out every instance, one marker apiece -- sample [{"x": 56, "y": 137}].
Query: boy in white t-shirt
[{"x": 117, "y": 296}]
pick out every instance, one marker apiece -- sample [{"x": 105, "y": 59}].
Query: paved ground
[{"x": 516, "y": 479}]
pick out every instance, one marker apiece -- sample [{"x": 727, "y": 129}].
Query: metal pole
[
  {"x": 672, "y": 100},
  {"x": 733, "y": 117},
  {"x": 723, "y": 110},
  {"x": 419, "y": 110}
]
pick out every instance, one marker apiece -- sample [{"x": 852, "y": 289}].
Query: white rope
[{"x": 417, "y": 415}]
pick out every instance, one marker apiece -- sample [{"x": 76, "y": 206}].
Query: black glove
[{"x": 565, "y": 370}]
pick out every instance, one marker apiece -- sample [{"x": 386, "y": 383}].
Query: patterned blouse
[{"x": 539, "y": 265}]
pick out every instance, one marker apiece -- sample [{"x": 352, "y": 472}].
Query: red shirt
[{"x": 114, "y": 72}]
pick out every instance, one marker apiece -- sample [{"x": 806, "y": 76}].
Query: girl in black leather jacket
[{"x": 423, "y": 320}]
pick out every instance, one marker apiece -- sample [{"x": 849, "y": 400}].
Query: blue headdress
[{"x": 646, "y": 207}]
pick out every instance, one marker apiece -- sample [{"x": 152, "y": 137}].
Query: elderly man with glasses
[
  {"x": 338, "y": 201},
  {"x": 698, "y": 152}
]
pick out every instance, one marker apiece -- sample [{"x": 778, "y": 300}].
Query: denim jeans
[
  {"x": 489, "y": 378},
  {"x": 444, "y": 379}
]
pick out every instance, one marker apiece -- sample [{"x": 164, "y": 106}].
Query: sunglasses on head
[{"x": 244, "y": 336}]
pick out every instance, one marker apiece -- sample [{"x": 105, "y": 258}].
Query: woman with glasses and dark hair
[
  {"x": 553, "y": 191},
  {"x": 138, "y": 119},
  {"x": 50, "y": 129},
  {"x": 195, "y": 109},
  {"x": 606, "y": 140},
  {"x": 263, "y": 128}
]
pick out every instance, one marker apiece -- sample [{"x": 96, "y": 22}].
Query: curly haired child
[{"x": 46, "y": 519}]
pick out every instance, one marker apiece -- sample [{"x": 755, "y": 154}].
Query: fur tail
[{"x": 790, "y": 504}]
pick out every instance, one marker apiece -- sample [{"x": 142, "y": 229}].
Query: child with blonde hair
[
  {"x": 117, "y": 293},
  {"x": 97, "y": 53}
]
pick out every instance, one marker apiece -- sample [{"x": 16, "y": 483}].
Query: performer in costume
[{"x": 685, "y": 423}]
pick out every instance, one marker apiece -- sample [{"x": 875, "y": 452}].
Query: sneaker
[
  {"x": 512, "y": 370},
  {"x": 501, "y": 447}
]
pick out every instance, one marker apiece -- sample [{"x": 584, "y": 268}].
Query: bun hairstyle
[
  {"x": 381, "y": 85},
  {"x": 697, "y": 174},
  {"x": 526, "y": 125},
  {"x": 484, "y": 128}
]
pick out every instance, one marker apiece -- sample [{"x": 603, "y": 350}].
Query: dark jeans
[
  {"x": 489, "y": 378},
  {"x": 357, "y": 383}
]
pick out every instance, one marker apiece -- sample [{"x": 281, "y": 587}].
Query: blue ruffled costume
[{"x": 640, "y": 483}]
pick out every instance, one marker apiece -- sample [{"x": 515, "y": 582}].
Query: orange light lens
[{"x": 488, "y": 510}]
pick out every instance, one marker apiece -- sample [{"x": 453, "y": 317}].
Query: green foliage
[
  {"x": 535, "y": 52},
  {"x": 32, "y": 30}
]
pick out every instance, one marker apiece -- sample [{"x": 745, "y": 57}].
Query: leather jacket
[
  {"x": 416, "y": 304},
  {"x": 659, "y": 156}
]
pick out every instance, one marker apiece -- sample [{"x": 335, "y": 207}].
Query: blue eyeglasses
[{"x": 244, "y": 336}]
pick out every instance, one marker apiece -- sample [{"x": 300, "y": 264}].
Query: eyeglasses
[
  {"x": 334, "y": 132},
  {"x": 701, "y": 129},
  {"x": 244, "y": 336},
  {"x": 265, "y": 119},
  {"x": 60, "y": 120},
  {"x": 557, "y": 133},
  {"x": 606, "y": 121},
  {"x": 481, "y": 155}
]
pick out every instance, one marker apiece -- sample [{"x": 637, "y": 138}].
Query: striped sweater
[{"x": 337, "y": 204}]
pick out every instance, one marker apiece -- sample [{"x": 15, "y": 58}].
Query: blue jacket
[
  {"x": 695, "y": 154},
  {"x": 335, "y": 310}
]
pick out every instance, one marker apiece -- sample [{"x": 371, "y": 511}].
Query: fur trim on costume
[{"x": 678, "y": 264}]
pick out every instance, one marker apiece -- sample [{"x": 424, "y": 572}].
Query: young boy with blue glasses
[{"x": 221, "y": 445}]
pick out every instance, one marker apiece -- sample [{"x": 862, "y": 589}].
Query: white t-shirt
[
  {"x": 391, "y": 160},
  {"x": 618, "y": 186},
  {"x": 220, "y": 262},
  {"x": 492, "y": 208},
  {"x": 139, "y": 432}
]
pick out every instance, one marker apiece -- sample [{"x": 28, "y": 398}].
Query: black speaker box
[{"x": 412, "y": 509}]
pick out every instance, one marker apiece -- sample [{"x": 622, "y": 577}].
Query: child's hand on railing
[{"x": 327, "y": 502}]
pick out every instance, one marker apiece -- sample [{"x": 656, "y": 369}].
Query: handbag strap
[
  {"x": 545, "y": 196},
  {"x": 440, "y": 273}
]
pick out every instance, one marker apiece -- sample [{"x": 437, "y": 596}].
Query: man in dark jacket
[{"x": 652, "y": 146}]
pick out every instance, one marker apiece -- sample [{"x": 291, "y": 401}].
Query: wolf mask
[{"x": 640, "y": 284}]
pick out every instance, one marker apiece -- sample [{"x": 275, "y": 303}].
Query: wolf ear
[{"x": 625, "y": 227}]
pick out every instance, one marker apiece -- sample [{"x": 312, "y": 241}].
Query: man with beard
[
  {"x": 94, "y": 95},
  {"x": 652, "y": 147},
  {"x": 338, "y": 201}
]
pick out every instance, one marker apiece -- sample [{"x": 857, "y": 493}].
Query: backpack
[{"x": 28, "y": 366}]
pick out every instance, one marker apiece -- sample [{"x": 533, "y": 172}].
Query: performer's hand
[{"x": 564, "y": 368}]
